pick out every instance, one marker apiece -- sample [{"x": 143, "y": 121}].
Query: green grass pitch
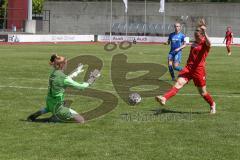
[{"x": 125, "y": 133}]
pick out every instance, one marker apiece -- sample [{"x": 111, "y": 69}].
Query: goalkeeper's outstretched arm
[
  {"x": 69, "y": 82},
  {"x": 76, "y": 71}
]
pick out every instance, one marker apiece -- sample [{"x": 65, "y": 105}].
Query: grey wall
[{"x": 94, "y": 17}]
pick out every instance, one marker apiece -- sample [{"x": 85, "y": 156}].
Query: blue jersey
[{"x": 176, "y": 40}]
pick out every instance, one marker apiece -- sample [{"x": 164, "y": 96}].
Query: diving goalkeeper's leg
[
  {"x": 33, "y": 116},
  {"x": 76, "y": 116}
]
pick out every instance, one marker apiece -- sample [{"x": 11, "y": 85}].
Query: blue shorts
[{"x": 175, "y": 57}]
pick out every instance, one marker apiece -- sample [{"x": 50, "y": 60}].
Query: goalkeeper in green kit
[{"x": 58, "y": 81}]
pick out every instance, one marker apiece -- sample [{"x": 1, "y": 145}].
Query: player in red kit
[
  {"x": 194, "y": 69},
  {"x": 229, "y": 40}
]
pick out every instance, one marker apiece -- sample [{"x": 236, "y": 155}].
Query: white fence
[
  {"x": 216, "y": 41},
  {"x": 49, "y": 38}
]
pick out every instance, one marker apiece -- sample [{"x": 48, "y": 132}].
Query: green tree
[
  {"x": 3, "y": 6},
  {"x": 38, "y": 6}
]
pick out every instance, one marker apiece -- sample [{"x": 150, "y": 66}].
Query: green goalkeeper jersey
[{"x": 58, "y": 81}]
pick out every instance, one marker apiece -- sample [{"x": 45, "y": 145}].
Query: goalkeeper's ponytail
[
  {"x": 52, "y": 59},
  {"x": 57, "y": 62}
]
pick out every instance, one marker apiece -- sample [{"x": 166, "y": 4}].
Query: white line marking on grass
[
  {"x": 180, "y": 94},
  {"x": 23, "y": 87},
  {"x": 33, "y": 79},
  {"x": 215, "y": 95}
]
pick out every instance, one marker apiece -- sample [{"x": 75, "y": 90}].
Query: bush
[{"x": 38, "y": 6}]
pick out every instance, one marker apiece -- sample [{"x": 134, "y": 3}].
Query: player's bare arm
[
  {"x": 204, "y": 28},
  {"x": 168, "y": 42},
  {"x": 182, "y": 46}
]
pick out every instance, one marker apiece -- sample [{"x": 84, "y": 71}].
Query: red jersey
[
  {"x": 198, "y": 55},
  {"x": 228, "y": 36}
]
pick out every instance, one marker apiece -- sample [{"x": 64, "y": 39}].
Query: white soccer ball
[{"x": 134, "y": 98}]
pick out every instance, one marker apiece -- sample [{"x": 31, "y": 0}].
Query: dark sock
[
  {"x": 171, "y": 71},
  {"x": 33, "y": 116}
]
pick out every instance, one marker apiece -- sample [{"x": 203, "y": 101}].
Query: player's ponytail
[{"x": 52, "y": 59}]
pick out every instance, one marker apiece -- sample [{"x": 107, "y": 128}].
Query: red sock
[
  {"x": 172, "y": 92},
  {"x": 208, "y": 99}
]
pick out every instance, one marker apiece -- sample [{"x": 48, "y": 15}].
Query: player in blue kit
[{"x": 177, "y": 42}]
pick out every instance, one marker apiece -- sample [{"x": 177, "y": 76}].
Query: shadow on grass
[
  {"x": 39, "y": 120},
  {"x": 164, "y": 111},
  {"x": 238, "y": 93}
]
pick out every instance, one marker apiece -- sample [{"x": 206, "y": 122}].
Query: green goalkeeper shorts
[{"x": 59, "y": 111}]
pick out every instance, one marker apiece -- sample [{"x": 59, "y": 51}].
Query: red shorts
[
  {"x": 228, "y": 43},
  {"x": 197, "y": 75}
]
